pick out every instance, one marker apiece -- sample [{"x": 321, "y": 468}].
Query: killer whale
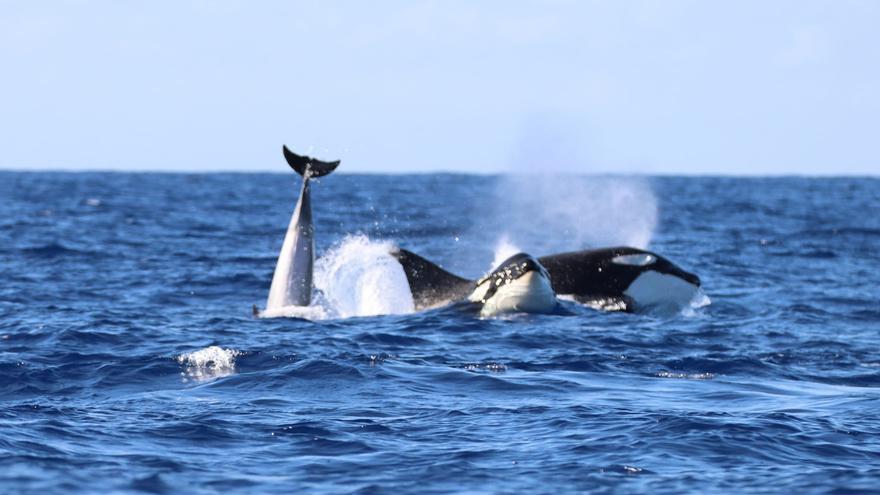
[
  {"x": 292, "y": 279},
  {"x": 519, "y": 284},
  {"x": 621, "y": 279},
  {"x": 611, "y": 279}
]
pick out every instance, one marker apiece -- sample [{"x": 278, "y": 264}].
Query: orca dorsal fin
[
  {"x": 302, "y": 163},
  {"x": 431, "y": 285}
]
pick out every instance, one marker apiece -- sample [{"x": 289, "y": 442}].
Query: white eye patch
[{"x": 640, "y": 259}]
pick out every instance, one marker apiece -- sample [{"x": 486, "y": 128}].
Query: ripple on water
[{"x": 129, "y": 359}]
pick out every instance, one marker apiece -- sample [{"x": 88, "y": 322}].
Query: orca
[
  {"x": 519, "y": 284},
  {"x": 621, "y": 279},
  {"x": 292, "y": 279},
  {"x": 611, "y": 279}
]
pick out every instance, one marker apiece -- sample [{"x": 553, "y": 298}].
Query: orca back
[{"x": 600, "y": 277}]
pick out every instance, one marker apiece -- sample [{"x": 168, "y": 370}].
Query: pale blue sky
[{"x": 694, "y": 87}]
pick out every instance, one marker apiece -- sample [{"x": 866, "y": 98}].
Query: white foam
[
  {"x": 700, "y": 300},
  {"x": 208, "y": 363},
  {"x": 316, "y": 312},
  {"x": 684, "y": 376},
  {"x": 357, "y": 277}
]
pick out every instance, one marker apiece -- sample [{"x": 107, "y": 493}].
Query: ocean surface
[{"x": 130, "y": 360}]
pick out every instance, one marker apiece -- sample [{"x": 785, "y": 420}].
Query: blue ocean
[{"x": 130, "y": 361}]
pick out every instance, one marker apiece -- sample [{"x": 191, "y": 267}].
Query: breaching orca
[
  {"x": 611, "y": 279},
  {"x": 292, "y": 281}
]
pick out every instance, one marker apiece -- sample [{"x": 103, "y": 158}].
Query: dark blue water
[{"x": 129, "y": 359}]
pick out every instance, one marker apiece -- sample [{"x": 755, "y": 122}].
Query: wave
[
  {"x": 208, "y": 363},
  {"x": 55, "y": 250}
]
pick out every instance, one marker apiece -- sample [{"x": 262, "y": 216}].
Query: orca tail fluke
[{"x": 303, "y": 164}]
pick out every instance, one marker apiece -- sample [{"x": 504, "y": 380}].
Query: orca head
[{"x": 519, "y": 284}]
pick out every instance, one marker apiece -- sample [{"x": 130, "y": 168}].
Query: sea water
[{"x": 130, "y": 360}]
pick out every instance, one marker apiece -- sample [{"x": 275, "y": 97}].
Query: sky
[{"x": 625, "y": 87}]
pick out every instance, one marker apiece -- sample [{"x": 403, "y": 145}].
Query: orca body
[
  {"x": 611, "y": 279},
  {"x": 292, "y": 280},
  {"x": 621, "y": 279}
]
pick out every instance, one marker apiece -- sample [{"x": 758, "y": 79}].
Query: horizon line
[{"x": 817, "y": 175}]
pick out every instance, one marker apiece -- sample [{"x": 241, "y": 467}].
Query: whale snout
[
  {"x": 530, "y": 293},
  {"x": 519, "y": 284}
]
